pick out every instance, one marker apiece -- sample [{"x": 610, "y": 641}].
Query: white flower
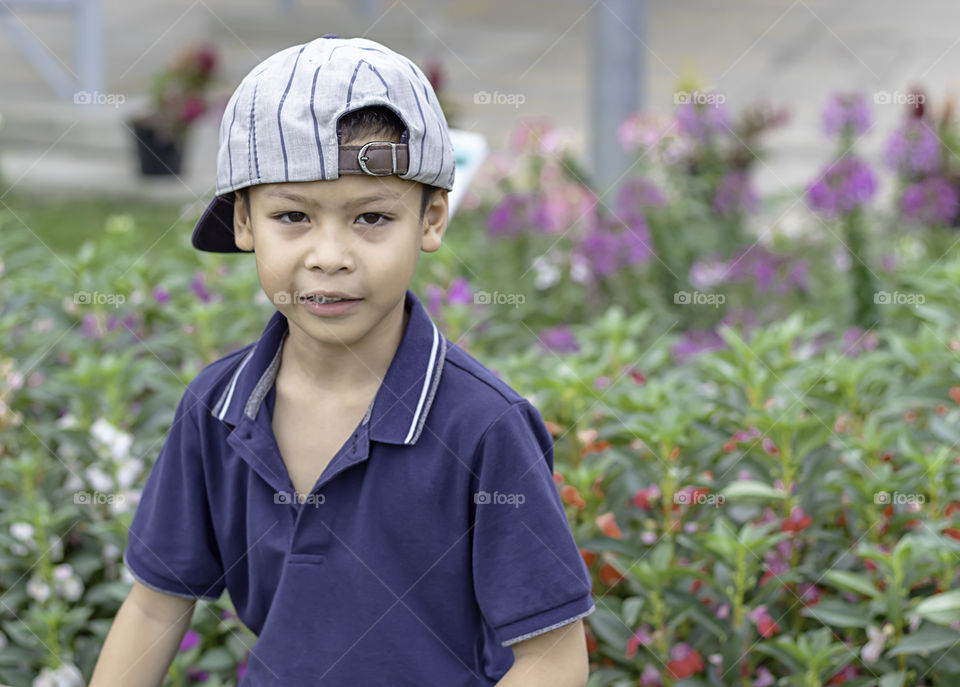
[
  {"x": 62, "y": 572},
  {"x": 22, "y": 531},
  {"x": 579, "y": 271},
  {"x": 116, "y": 441},
  {"x": 127, "y": 472},
  {"x": 68, "y": 421},
  {"x": 38, "y": 589},
  {"x": 98, "y": 479},
  {"x": 67, "y": 675},
  {"x": 111, "y": 551},
  {"x": 547, "y": 273},
  {"x": 708, "y": 273},
  {"x": 71, "y": 588},
  {"x": 841, "y": 259},
  {"x": 19, "y": 549},
  {"x": 137, "y": 296}
]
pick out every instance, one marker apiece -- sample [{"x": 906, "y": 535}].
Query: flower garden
[{"x": 755, "y": 400}]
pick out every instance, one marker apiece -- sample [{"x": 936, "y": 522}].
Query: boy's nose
[{"x": 331, "y": 248}]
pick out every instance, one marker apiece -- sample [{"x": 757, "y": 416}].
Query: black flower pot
[{"x": 158, "y": 155}]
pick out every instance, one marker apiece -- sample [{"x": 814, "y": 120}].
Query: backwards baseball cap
[{"x": 280, "y": 125}]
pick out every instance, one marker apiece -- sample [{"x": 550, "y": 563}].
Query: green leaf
[
  {"x": 751, "y": 489},
  {"x": 926, "y": 639},
  {"x": 837, "y": 613},
  {"x": 942, "y": 609},
  {"x": 893, "y": 679},
  {"x": 851, "y": 582},
  {"x": 631, "y": 609}
]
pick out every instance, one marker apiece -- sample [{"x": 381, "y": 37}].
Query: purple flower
[
  {"x": 112, "y": 323},
  {"x": 734, "y": 195},
  {"x": 855, "y": 341},
  {"x": 932, "y": 201},
  {"x": 513, "y": 215},
  {"x": 764, "y": 677},
  {"x": 650, "y": 677},
  {"x": 161, "y": 295},
  {"x": 459, "y": 293},
  {"x": 636, "y": 239},
  {"x": 913, "y": 148},
  {"x": 91, "y": 328},
  {"x": 846, "y": 112},
  {"x": 242, "y": 668},
  {"x": 559, "y": 339},
  {"x": 435, "y": 296},
  {"x": 636, "y": 194},
  {"x": 195, "y": 675},
  {"x": 198, "y": 287},
  {"x": 701, "y": 122},
  {"x": 190, "y": 640},
  {"x": 601, "y": 249},
  {"x": 843, "y": 186},
  {"x": 696, "y": 341}
]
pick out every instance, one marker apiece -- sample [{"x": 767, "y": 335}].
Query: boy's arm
[
  {"x": 556, "y": 658},
  {"x": 143, "y": 639}
]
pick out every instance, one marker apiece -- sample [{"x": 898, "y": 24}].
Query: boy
[{"x": 379, "y": 505}]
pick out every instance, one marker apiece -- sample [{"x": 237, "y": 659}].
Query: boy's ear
[
  {"x": 435, "y": 218},
  {"x": 242, "y": 231}
]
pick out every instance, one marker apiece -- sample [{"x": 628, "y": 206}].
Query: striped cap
[{"x": 280, "y": 125}]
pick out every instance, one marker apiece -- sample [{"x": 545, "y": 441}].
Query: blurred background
[{"x": 714, "y": 243}]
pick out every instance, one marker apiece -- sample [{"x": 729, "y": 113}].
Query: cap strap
[{"x": 376, "y": 158}]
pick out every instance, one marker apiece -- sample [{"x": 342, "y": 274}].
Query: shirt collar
[{"x": 402, "y": 402}]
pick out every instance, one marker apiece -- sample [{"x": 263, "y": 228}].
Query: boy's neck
[{"x": 342, "y": 373}]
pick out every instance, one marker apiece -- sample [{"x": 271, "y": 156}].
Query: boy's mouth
[{"x": 324, "y": 297}]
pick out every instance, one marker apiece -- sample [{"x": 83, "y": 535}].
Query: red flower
[
  {"x": 643, "y": 497},
  {"x": 571, "y": 495},
  {"x": 192, "y": 108},
  {"x": 684, "y": 661},
  {"x": 608, "y": 525},
  {"x": 609, "y": 575},
  {"x": 589, "y": 557},
  {"x": 797, "y": 522},
  {"x": 955, "y": 394}
]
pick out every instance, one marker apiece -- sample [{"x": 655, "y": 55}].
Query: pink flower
[{"x": 190, "y": 640}]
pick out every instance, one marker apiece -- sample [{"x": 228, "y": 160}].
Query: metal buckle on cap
[{"x": 362, "y": 157}]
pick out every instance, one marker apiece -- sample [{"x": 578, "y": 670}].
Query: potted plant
[{"x": 178, "y": 96}]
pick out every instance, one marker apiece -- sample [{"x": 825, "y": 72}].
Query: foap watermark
[
  {"x": 498, "y": 98},
  {"x": 97, "y": 298},
  {"x": 288, "y": 498},
  {"x": 898, "y": 498},
  {"x": 483, "y": 498},
  {"x": 898, "y": 98},
  {"x": 86, "y": 498},
  {"x": 699, "y": 298},
  {"x": 898, "y": 298},
  {"x": 497, "y": 298},
  {"x": 699, "y": 98},
  {"x": 98, "y": 98},
  {"x": 698, "y": 498}
]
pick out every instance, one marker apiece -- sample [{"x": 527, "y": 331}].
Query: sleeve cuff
[
  {"x": 164, "y": 586},
  {"x": 533, "y": 625}
]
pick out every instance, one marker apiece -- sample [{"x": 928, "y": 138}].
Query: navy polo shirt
[{"x": 433, "y": 540}]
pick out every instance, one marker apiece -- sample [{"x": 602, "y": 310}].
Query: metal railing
[{"x": 89, "y": 44}]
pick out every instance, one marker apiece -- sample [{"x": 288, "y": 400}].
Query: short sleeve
[
  {"x": 528, "y": 574},
  {"x": 171, "y": 546}
]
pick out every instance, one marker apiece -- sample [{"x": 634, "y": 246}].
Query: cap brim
[{"x": 214, "y": 230}]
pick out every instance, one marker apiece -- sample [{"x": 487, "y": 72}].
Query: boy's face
[{"x": 359, "y": 235}]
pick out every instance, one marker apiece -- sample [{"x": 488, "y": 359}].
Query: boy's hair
[{"x": 376, "y": 120}]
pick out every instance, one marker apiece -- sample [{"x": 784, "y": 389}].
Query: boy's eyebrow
[{"x": 297, "y": 198}]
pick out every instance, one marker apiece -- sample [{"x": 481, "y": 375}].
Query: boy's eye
[
  {"x": 373, "y": 218},
  {"x": 295, "y": 217}
]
